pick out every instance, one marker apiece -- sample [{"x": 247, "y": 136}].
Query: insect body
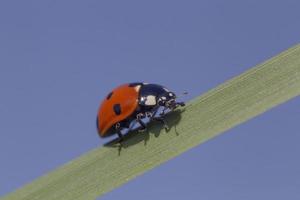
[{"x": 134, "y": 102}]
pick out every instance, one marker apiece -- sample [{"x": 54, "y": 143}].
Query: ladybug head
[{"x": 167, "y": 99}]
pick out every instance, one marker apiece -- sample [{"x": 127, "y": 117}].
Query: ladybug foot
[
  {"x": 166, "y": 127},
  {"x": 177, "y": 104},
  {"x": 173, "y": 105}
]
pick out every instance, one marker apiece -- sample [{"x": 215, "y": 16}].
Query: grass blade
[{"x": 237, "y": 100}]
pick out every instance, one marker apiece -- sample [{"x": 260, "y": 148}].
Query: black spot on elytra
[
  {"x": 109, "y": 95},
  {"x": 135, "y": 84},
  {"x": 117, "y": 109}
]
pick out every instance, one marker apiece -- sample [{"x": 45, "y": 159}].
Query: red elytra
[{"x": 124, "y": 97}]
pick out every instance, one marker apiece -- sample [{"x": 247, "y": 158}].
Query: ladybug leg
[
  {"x": 121, "y": 138},
  {"x": 139, "y": 117},
  {"x": 118, "y": 129},
  {"x": 173, "y": 104},
  {"x": 163, "y": 111},
  {"x": 180, "y": 104}
]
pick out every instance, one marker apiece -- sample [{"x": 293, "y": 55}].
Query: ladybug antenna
[{"x": 182, "y": 94}]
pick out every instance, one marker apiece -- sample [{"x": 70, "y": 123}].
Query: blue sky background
[{"x": 58, "y": 59}]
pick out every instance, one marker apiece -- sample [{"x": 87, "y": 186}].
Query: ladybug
[{"x": 133, "y": 102}]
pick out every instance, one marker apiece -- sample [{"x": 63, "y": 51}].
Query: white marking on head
[{"x": 150, "y": 101}]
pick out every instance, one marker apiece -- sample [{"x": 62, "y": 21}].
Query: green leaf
[{"x": 237, "y": 100}]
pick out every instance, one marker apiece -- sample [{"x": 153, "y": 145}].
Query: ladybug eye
[{"x": 171, "y": 95}]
